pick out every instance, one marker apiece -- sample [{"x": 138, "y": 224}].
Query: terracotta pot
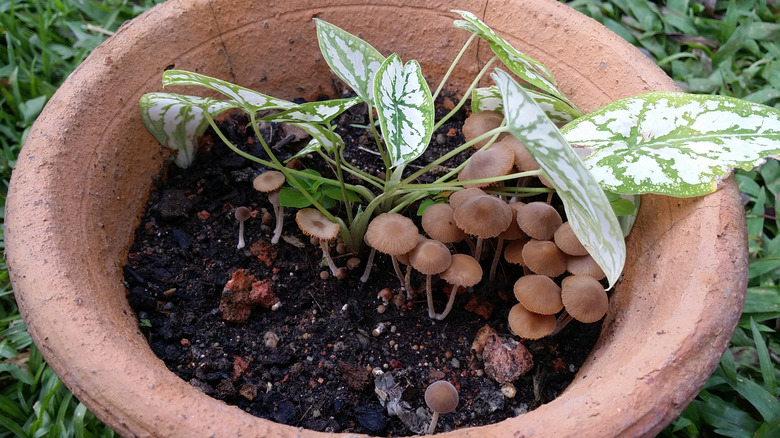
[{"x": 87, "y": 167}]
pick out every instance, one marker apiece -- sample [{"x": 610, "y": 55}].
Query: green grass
[{"x": 730, "y": 48}]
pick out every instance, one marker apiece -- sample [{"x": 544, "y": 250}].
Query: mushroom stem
[
  {"x": 496, "y": 256},
  {"x": 434, "y": 420},
  {"x": 279, "y": 212},
  {"x": 369, "y": 266},
  {"x": 241, "y": 242},
  {"x": 410, "y": 293},
  {"x": 563, "y": 320},
  {"x": 431, "y": 310},
  {"x": 450, "y": 302},
  {"x": 326, "y": 253},
  {"x": 470, "y": 243},
  {"x": 478, "y": 249}
]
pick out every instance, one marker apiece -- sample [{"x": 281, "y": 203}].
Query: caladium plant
[{"x": 667, "y": 143}]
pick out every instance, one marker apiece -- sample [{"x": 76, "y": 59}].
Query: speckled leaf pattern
[
  {"x": 313, "y": 112},
  {"x": 177, "y": 121},
  {"x": 405, "y": 107},
  {"x": 489, "y": 99},
  {"x": 525, "y": 67},
  {"x": 587, "y": 207},
  {"x": 352, "y": 59},
  {"x": 248, "y": 100},
  {"x": 674, "y": 144}
]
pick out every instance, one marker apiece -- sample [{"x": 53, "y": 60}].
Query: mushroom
[
  {"x": 315, "y": 224},
  {"x": 461, "y": 195},
  {"x": 567, "y": 241},
  {"x": 530, "y": 325},
  {"x": 442, "y": 398},
  {"x": 271, "y": 182},
  {"x": 539, "y": 294},
  {"x": 241, "y": 214},
  {"x": 543, "y": 257},
  {"x": 392, "y": 234},
  {"x": 438, "y": 222},
  {"x": 513, "y": 232},
  {"x": 584, "y": 297},
  {"x": 430, "y": 257},
  {"x": 538, "y": 219},
  {"x": 464, "y": 271},
  {"x": 484, "y": 217},
  {"x": 479, "y": 123},
  {"x": 584, "y": 265},
  {"x": 524, "y": 161},
  {"x": 497, "y": 160},
  {"x": 513, "y": 253}
]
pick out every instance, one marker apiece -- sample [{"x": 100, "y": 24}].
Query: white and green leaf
[
  {"x": 313, "y": 112},
  {"x": 587, "y": 207},
  {"x": 525, "y": 67},
  {"x": 352, "y": 59},
  {"x": 674, "y": 144},
  {"x": 177, "y": 121},
  {"x": 489, "y": 99},
  {"x": 405, "y": 108},
  {"x": 313, "y": 146},
  {"x": 248, "y": 100},
  {"x": 326, "y": 137}
]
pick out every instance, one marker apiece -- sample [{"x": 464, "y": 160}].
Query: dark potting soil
[{"x": 312, "y": 362}]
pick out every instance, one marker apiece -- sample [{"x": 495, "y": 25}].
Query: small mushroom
[
  {"x": 479, "y": 123},
  {"x": 539, "y": 294},
  {"x": 524, "y": 161},
  {"x": 393, "y": 234},
  {"x": 530, "y": 325},
  {"x": 442, "y": 398},
  {"x": 568, "y": 242},
  {"x": 461, "y": 195},
  {"x": 241, "y": 214},
  {"x": 512, "y": 233},
  {"x": 438, "y": 222},
  {"x": 484, "y": 217},
  {"x": 464, "y": 271},
  {"x": 495, "y": 161},
  {"x": 271, "y": 182},
  {"x": 539, "y": 220},
  {"x": 315, "y": 224},
  {"x": 430, "y": 257},
  {"x": 543, "y": 257},
  {"x": 584, "y": 265},
  {"x": 584, "y": 297}
]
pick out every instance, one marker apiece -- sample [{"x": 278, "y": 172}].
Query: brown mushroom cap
[
  {"x": 483, "y": 216},
  {"x": 513, "y": 232},
  {"x": 497, "y": 160},
  {"x": 529, "y": 325},
  {"x": 513, "y": 253},
  {"x": 438, "y": 222},
  {"x": 461, "y": 195},
  {"x": 584, "y": 298},
  {"x": 539, "y": 220},
  {"x": 479, "y": 123},
  {"x": 524, "y": 161},
  {"x": 464, "y": 271},
  {"x": 392, "y": 233},
  {"x": 543, "y": 257},
  {"x": 584, "y": 265},
  {"x": 269, "y": 181},
  {"x": 441, "y": 397},
  {"x": 430, "y": 257},
  {"x": 539, "y": 294},
  {"x": 315, "y": 224},
  {"x": 242, "y": 214},
  {"x": 567, "y": 241}
]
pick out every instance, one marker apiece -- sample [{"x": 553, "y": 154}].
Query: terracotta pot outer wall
[{"x": 86, "y": 170}]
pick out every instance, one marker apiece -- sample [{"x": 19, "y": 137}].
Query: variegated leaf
[
  {"x": 313, "y": 112},
  {"x": 674, "y": 144},
  {"x": 525, "y": 67},
  {"x": 312, "y": 147},
  {"x": 352, "y": 59},
  {"x": 489, "y": 99},
  {"x": 405, "y": 108},
  {"x": 327, "y": 138},
  {"x": 249, "y": 100},
  {"x": 177, "y": 120},
  {"x": 587, "y": 207}
]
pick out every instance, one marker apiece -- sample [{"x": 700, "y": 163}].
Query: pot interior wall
[{"x": 669, "y": 320}]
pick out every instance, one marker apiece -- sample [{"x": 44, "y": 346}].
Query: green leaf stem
[
  {"x": 674, "y": 144},
  {"x": 489, "y": 99},
  {"x": 248, "y": 100},
  {"x": 587, "y": 207}
]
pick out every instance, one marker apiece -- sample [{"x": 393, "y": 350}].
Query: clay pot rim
[{"x": 156, "y": 402}]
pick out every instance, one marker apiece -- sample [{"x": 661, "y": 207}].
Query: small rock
[
  {"x": 357, "y": 378},
  {"x": 372, "y": 417},
  {"x": 487, "y": 402},
  {"x": 506, "y": 359},
  {"x": 479, "y": 340},
  {"x": 248, "y": 391},
  {"x": 241, "y": 293}
]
